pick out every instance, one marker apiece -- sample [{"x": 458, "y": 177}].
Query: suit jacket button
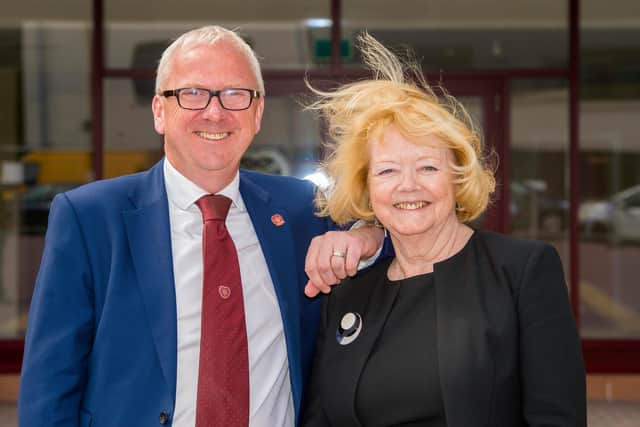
[{"x": 164, "y": 417}]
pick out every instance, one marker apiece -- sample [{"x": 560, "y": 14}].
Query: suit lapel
[
  {"x": 374, "y": 302},
  {"x": 149, "y": 235},
  {"x": 277, "y": 243},
  {"x": 465, "y": 363}
]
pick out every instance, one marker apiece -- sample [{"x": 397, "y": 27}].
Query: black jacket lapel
[
  {"x": 466, "y": 365},
  {"x": 373, "y": 302},
  {"x": 149, "y": 235}
]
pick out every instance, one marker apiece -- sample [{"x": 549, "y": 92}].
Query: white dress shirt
[{"x": 270, "y": 399}]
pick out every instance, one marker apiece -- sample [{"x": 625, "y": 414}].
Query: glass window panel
[
  {"x": 466, "y": 34},
  {"x": 475, "y": 107},
  {"x": 289, "y": 140},
  {"x": 45, "y": 134},
  {"x": 130, "y": 141},
  {"x": 609, "y": 217},
  {"x": 285, "y": 33},
  {"x": 539, "y": 186}
]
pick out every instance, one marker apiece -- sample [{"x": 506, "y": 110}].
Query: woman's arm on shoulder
[{"x": 552, "y": 368}]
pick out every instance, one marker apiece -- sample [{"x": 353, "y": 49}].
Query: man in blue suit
[{"x": 114, "y": 329}]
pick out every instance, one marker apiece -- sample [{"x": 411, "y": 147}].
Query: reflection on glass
[
  {"x": 609, "y": 212},
  {"x": 539, "y": 205},
  {"x": 289, "y": 140},
  {"x": 538, "y": 189},
  {"x": 44, "y": 143},
  {"x": 130, "y": 141},
  {"x": 609, "y": 218}
]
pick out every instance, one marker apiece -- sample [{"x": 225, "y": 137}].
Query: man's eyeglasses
[{"x": 195, "y": 98}]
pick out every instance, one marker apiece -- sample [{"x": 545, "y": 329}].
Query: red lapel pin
[{"x": 277, "y": 220}]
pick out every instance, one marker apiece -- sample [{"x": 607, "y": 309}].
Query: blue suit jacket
[{"x": 101, "y": 343}]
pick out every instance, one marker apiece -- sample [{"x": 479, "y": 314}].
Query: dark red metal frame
[
  {"x": 493, "y": 86},
  {"x": 574, "y": 146},
  {"x": 11, "y": 352},
  {"x": 97, "y": 95}
]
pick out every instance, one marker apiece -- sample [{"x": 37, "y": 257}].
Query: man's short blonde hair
[
  {"x": 398, "y": 95},
  {"x": 206, "y": 36}
]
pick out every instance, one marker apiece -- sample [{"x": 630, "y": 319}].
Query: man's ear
[
  {"x": 259, "y": 111},
  {"x": 157, "y": 106}
]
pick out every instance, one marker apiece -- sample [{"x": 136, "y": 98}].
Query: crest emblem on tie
[
  {"x": 277, "y": 220},
  {"x": 224, "y": 291}
]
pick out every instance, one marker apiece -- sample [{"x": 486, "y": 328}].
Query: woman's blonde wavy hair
[{"x": 398, "y": 94}]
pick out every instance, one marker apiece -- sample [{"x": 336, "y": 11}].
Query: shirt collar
[{"x": 183, "y": 193}]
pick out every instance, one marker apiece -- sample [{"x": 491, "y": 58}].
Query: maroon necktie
[{"x": 223, "y": 376}]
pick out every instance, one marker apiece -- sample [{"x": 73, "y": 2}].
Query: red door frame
[{"x": 493, "y": 93}]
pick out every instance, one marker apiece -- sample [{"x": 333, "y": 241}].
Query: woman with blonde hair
[{"x": 462, "y": 327}]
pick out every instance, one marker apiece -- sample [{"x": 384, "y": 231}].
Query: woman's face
[{"x": 410, "y": 183}]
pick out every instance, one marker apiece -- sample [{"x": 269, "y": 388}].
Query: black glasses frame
[{"x": 176, "y": 92}]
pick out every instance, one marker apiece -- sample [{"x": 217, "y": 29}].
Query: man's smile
[{"x": 212, "y": 136}]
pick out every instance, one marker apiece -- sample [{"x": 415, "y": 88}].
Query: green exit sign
[{"x": 322, "y": 49}]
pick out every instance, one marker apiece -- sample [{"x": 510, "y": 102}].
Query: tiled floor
[
  {"x": 613, "y": 414},
  {"x": 600, "y": 414},
  {"x": 9, "y": 415}
]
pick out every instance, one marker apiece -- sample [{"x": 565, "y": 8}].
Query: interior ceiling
[{"x": 410, "y": 12}]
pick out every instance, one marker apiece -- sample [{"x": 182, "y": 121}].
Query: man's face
[{"x": 206, "y": 145}]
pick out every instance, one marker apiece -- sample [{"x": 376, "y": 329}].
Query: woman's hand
[{"x": 337, "y": 254}]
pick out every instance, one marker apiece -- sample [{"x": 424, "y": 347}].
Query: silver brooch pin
[{"x": 349, "y": 328}]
